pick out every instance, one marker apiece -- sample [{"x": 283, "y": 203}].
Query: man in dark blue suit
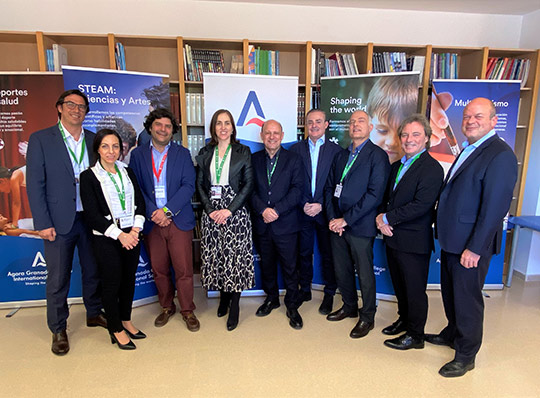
[
  {"x": 353, "y": 192},
  {"x": 166, "y": 176},
  {"x": 55, "y": 159},
  {"x": 317, "y": 155},
  {"x": 474, "y": 200},
  {"x": 275, "y": 205}
]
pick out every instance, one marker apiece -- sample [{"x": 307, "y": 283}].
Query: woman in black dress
[
  {"x": 224, "y": 183},
  {"x": 114, "y": 209}
]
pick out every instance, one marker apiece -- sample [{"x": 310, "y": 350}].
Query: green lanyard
[
  {"x": 219, "y": 168},
  {"x": 122, "y": 193},
  {"x": 398, "y": 176},
  {"x": 348, "y": 167},
  {"x": 79, "y": 162},
  {"x": 270, "y": 173}
]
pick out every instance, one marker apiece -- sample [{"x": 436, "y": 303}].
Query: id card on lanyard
[
  {"x": 121, "y": 202},
  {"x": 339, "y": 187},
  {"x": 160, "y": 188},
  {"x": 217, "y": 190},
  {"x": 78, "y": 161}
]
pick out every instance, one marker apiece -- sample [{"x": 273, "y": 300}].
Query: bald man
[
  {"x": 475, "y": 198},
  {"x": 353, "y": 192}
]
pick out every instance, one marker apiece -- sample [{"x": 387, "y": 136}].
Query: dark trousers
[
  {"x": 461, "y": 290},
  {"x": 283, "y": 248},
  {"x": 59, "y": 258},
  {"x": 409, "y": 273},
  {"x": 355, "y": 253},
  {"x": 117, "y": 267},
  {"x": 166, "y": 246},
  {"x": 305, "y": 268}
]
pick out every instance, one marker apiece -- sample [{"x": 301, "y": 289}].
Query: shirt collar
[
  {"x": 319, "y": 142},
  {"x": 406, "y": 161},
  {"x": 358, "y": 148},
  {"x": 480, "y": 141},
  {"x": 166, "y": 147},
  {"x": 68, "y": 135},
  {"x": 276, "y": 154}
]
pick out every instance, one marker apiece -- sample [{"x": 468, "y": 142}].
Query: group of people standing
[{"x": 278, "y": 200}]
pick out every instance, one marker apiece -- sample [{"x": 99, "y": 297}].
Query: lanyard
[
  {"x": 69, "y": 146},
  {"x": 157, "y": 173},
  {"x": 219, "y": 168},
  {"x": 348, "y": 166},
  {"x": 270, "y": 173},
  {"x": 398, "y": 176},
  {"x": 122, "y": 193}
]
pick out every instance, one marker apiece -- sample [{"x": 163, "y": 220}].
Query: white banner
[{"x": 252, "y": 100}]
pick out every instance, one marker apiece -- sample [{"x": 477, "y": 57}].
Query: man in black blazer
[
  {"x": 353, "y": 192},
  {"x": 275, "y": 205},
  {"x": 406, "y": 223},
  {"x": 475, "y": 198},
  {"x": 56, "y": 157},
  {"x": 317, "y": 155}
]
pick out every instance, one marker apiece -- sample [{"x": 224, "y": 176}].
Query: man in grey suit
[{"x": 56, "y": 157}]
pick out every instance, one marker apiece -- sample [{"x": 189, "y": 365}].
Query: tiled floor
[{"x": 264, "y": 357}]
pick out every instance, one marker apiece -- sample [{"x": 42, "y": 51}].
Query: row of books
[
  {"x": 56, "y": 57},
  {"x": 194, "y": 108},
  {"x": 398, "y": 62},
  {"x": 334, "y": 65},
  {"x": 315, "y": 99},
  {"x": 301, "y": 111},
  {"x": 263, "y": 62},
  {"x": 120, "y": 56},
  {"x": 508, "y": 69},
  {"x": 444, "y": 66},
  {"x": 196, "y": 62},
  {"x": 175, "y": 105},
  {"x": 195, "y": 142}
]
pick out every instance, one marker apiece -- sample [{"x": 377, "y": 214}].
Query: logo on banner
[
  {"x": 39, "y": 261},
  {"x": 251, "y": 99}
]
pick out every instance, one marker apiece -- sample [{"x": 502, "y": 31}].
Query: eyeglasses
[{"x": 72, "y": 105}]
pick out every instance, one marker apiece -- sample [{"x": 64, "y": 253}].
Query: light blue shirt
[
  {"x": 76, "y": 147},
  {"x": 468, "y": 149},
  {"x": 162, "y": 183},
  {"x": 314, "y": 150}
]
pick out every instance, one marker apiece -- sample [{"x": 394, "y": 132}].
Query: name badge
[
  {"x": 215, "y": 191},
  {"x": 126, "y": 222},
  {"x": 337, "y": 192},
  {"x": 160, "y": 193}
]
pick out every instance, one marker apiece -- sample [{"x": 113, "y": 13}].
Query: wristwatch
[{"x": 168, "y": 213}]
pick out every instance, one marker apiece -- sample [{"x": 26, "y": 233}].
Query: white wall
[
  {"x": 260, "y": 21},
  {"x": 528, "y": 250}
]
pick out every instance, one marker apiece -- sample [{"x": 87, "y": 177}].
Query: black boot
[
  {"x": 232, "y": 321},
  {"x": 224, "y": 301}
]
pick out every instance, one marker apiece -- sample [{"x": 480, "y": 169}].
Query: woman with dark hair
[
  {"x": 114, "y": 209},
  {"x": 224, "y": 183}
]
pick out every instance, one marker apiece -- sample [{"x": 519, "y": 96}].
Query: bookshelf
[{"x": 23, "y": 51}]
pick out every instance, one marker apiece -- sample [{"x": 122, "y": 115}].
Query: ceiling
[{"x": 505, "y": 7}]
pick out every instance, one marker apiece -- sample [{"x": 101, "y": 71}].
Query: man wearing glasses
[{"x": 56, "y": 156}]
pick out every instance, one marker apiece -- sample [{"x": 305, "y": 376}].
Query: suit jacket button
[{"x": 269, "y": 193}]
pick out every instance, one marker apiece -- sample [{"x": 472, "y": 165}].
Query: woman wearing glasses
[
  {"x": 224, "y": 183},
  {"x": 114, "y": 210}
]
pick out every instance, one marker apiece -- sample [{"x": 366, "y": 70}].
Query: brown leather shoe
[
  {"x": 99, "y": 320},
  {"x": 191, "y": 321},
  {"x": 60, "y": 343},
  {"x": 163, "y": 317}
]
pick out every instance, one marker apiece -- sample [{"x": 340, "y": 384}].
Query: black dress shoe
[
  {"x": 267, "y": 307},
  {"x": 326, "y": 305},
  {"x": 456, "y": 368},
  {"x": 341, "y": 314},
  {"x": 60, "y": 343},
  {"x": 137, "y": 336},
  {"x": 304, "y": 296},
  {"x": 405, "y": 342},
  {"x": 98, "y": 320},
  {"x": 224, "y": 302},
  {"x": 128, "y": 346},
  {"x": 295, "y": 320},
  {"x": 361, "y": 329},
  {"x": 438, "y": 340},
  {"x": 234, "y": 314},
  {"x": 396, "y": 328}
]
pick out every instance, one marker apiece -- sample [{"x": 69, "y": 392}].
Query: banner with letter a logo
[{"x": 252, "y": 100}]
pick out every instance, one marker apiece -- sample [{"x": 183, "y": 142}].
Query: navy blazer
[
  {"x": 180, "y": 184},
  {"x": 283, "y": 195},
  {"x": 474, "y": 202},
  {"x": 50, "y": 181},
  {"x": 363, "y": 189},
  {"x": 410, "y": 208},
  {"x": 327, "y": 153}
]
